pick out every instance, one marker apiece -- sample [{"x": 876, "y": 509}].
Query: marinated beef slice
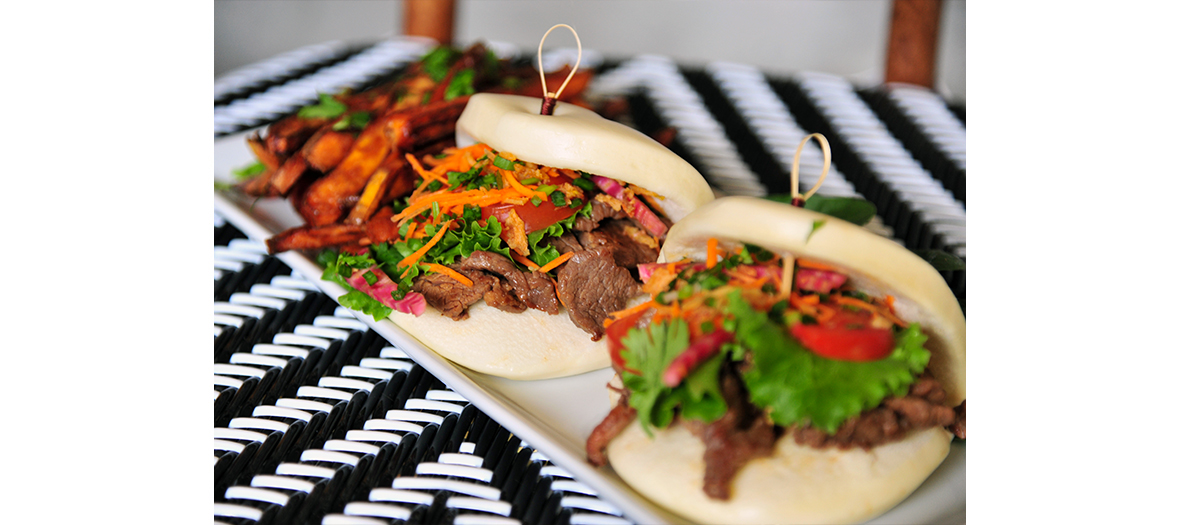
[
  {"x": 534, "y": 289},
  {"x": 612, "y": 238},
  {"x": 496, "y": 280},
  {"x": 896, "y": 416},
  {"x": 451, "y": 297},
  {"x": 598, "y": 279},
  {"x": 599, "y": 210},
  {"x": 592, "y": 286},
  {"x": 742, "y": 434}
]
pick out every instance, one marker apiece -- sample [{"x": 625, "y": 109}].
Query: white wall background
[{"x": 843, "y": 37}]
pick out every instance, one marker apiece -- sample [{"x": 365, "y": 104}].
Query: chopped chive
[
  {"x": 546, "y": 188},
  {"x": 530, "y": 180},
  {"x": 536, "y": 201},
  {"x": 584, "y": 183},
  {"x": 434, "y": 209},
  {"x": 503, "y": 163}
]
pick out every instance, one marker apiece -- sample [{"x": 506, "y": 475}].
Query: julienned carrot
[
  {"x": 438, "y": 268},
  {"x": 883, "y": 312},
  {"x": 711, "y": 253},
  {"x": 814, "y": 265},
  {"x": 426, "y": 175},
  {"x": 414, "y": 257},
  {"x": 524, "y": 260},
  {"x": 410, "y": 230},
  {"x": 556, "y": 262},
  {"x": 426, "y": 203},
  {"x": 625, "y": 313},
  {"x": 510, "y": 178}
]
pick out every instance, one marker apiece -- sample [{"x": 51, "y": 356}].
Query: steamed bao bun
[
  {"x": 800, "y": 484},
  {"x": 533, "y": 344}
]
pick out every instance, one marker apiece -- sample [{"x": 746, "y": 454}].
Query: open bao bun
[
  {"x": 800, "y": 484},
  {"x": 533, "y": 344}
]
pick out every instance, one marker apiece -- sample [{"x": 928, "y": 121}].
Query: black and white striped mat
[{"x": 317, "y": 419}]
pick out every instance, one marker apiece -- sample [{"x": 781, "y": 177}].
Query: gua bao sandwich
[
  {"x": 513, "y": 247},
  {"x": 790, "y": 367}
]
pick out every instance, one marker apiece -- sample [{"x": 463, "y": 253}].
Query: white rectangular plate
[{"x": 554, "y": 416}]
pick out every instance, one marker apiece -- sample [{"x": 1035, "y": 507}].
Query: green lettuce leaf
[
  {"x": 337, "y": 266},
  {"x": 799, "y": 387}
]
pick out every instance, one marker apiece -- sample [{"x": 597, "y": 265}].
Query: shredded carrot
[
  {"x": 426, "y": 175},
  {"x": 524, "y": 260},
  {"x": 711, "y": 254},
  {"x": 627, "y": 312},
  {"x": 556, "y": 262},
  {"x": 852, "y": 301},
  {"x": 510, "y": 178},
  {"x": 438, "y": 268},
  {"x": 825, "y": 312},
  {"x": 414, "y": 257},
  {"x": 410, "y": 230},
  {"x": 814, "y": 265},
  {"x": 446, "y": 198}
]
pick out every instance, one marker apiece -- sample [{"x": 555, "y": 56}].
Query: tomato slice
[
  {"x": 536, "y": 217},
  {"x": 614, "y": 338},
  {"x": 846, "y": 337}
]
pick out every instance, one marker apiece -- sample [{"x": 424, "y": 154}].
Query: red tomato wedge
[
  {"x": 845, "y": 337},
  {"x": 536, "y": 217}
]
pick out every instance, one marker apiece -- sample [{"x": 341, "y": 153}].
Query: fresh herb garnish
[
  {"x": 437, "y": 62},
  {"x": 649, "y": 352},
  {"x": 942, "y": 261},
  {"x": 357, "y": 121},
  {"x": 503, "y": 163},
  {"x": 328, "y": 107},
  {"x": 246, "y": 172},
  {"x": 852, "y": 209},
  {"x": 462, "y": 84}
]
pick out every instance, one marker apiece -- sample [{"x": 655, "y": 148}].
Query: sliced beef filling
[
  {"x": 921, "y": 408},
  {"x": 536, "y": 290},
  {"x": 451, "y": 297},
  {"x": 613, "y": 238},
  {"x": 599, "y": 210},
  {"x": 592, "y": 286},
  {"x": 566, "y": 243},
  {"x": 742, "y": 434},
  {"x": 501, "y": 297},
  {"x": 612, "y": 425}
]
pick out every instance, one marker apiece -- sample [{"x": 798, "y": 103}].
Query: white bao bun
[
  {"x": 535, "y": 345},
  {"x": 799, "y": 484}
]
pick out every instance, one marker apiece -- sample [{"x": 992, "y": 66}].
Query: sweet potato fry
[
  {"x": 380, "y": 228},
  {"x": 315, "y": 237},
  {"x": 288, "y": 134},
  {"x": 327, "y": 148},
  {"x": 262, "y": 153},
  {"x": 325, "y": 200},
  {"x": 410, "y": 129},
  {"x": 288, "y": 174}
]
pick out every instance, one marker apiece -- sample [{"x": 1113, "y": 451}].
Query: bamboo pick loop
[
  {"x": 796, "y": 199},
  {"x": 550, "y": 99}
]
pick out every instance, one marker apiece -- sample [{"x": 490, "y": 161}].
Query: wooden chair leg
[
  {"x": 430, "y": 18},
  {"x": 913, "y": 42}
]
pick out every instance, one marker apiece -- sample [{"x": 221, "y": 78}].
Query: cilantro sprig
[{"x": 649, "y": 352}]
